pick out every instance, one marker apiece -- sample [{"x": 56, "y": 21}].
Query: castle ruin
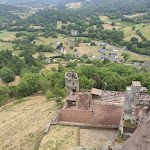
[{"x": 72, "y": 82}]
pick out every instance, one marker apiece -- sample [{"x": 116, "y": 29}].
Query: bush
[
  {"x": 7, "y": 75},
  {"x": 58, "y": 100},
  {"x": 48, "y": 95}
]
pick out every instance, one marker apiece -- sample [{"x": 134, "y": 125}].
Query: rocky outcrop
[{"x": 140, "y": 140}]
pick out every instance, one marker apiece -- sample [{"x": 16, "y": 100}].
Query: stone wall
[{"x": 72, "y": 82}]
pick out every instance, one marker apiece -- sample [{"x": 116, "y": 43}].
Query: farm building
[
  {"x": 75, "y": 54},
  {"x": 103, "y": 50},
  {"x": 73, "y": 32},
  {"x": 91, "y": 55},
  {"x": 103, "y": 44}
]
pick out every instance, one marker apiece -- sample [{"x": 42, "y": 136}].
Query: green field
[
  {"x": 6, "y": 35},
  {"x": 6, "y": 45},
  {"x": 145, "y": 30},
  {"x": 134, "y": 57},
  {"x": 118, "y": 22},
  {"x": 59, "y": 24},
  {"x": 122, "y": 23}
]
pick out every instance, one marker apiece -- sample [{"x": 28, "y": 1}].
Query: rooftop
[
  {"x": 71, "y": 98},
  {"x": 97, "y": 114},
  {"x": 96, "y": 92}
]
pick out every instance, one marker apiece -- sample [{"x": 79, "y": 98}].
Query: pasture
[{"x": 23, "y": 122}]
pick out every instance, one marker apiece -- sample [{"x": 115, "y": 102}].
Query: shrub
[{"x": 48, "y": 95}]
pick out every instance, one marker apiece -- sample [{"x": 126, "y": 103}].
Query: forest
[{"x": 117, "y": 76}]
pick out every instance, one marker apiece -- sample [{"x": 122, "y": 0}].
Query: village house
[
  {"x": 127, "y": 16},
  {"x": 70, "y": 41},
  {"x": 73, "y": 32},
  {"x": 136, "y": 65},
  {"x": 146, "y": 64},
  {"x": 62, "y": 50},
  {"x": 103, "y": 51},
  {"x": 75, "y": 54},
  {"x": 47, "y": 60},
  {"x": 112, "y": 57},
  {"x": 57, "y": 44},
  {"x": 91, "y": 55},
  {"x": 103, "y": 44},
  {"x": 66, "y": 59},
  {"x": 88, "y": 44}
]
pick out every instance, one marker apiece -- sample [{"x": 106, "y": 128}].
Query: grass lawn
[
  {"x": 128, "y": 38},
  {"x": 146, "y": 32},
  {"x": 83, "y": 49},
  {"x": 118, "y": 22},
  {"x": 47, "y": 54},
  {"x": 16, "y": 52},
  {"x": 47, "y": 41},
  {"x": 110, "y": 27},
  {"x": 6, "y": 45},
  {"x": 6, "y": 35},
  {"x": 134, "y": 57},
  {"x": 122, "y": 23},
  {"x": 59, "y": 24},
  {"x": 60, "y": 138}
]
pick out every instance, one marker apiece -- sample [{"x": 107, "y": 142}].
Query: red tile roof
[
  {"x": 71, "y": 98},
  {"x": 96, "y": 92},
  {"x": 97, "y": 114},
  {"x": 76, "y": 115}
]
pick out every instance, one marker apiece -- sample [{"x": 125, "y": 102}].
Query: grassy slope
[
  {"x": 23, "y": 122},
  {"x": 60, "y": 138}
]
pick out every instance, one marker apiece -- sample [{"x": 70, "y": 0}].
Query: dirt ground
[
  {"x": 46, "y": 54},
  {"x": 110, "y": 27},
  {"x": 96, "y": 138},
  {"x": 15, "y": 82},
  {"x": 22, "y": 123},
  {"x": 128, "y": 38},
  {"x": 60, "y": 138}
]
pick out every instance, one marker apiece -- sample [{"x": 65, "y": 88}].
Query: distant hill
[{"x": 29, "y": 1}]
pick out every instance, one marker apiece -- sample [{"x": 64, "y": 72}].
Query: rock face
[{"x": 140, "y": 140}]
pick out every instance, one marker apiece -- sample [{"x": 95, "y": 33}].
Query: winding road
[{"x": 121, "y": 49}]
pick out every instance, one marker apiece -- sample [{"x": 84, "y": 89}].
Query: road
[{"x": 121, "y": 49}]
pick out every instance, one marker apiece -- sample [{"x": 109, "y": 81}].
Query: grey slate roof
[
  {"x": 146, "y": 64},
  {"x": 136, "y": 64},
  {"x": 76, "y": 54},
  {"x": 70, "y": 41},
  {"x": 102, "y": 50},
  {"x": 90, "y": 55}
]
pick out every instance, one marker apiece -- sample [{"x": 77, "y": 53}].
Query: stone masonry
[{"x": 72, "y": 82}]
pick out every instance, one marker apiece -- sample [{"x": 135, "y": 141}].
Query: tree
[
  {"x": 75, "y": 50},
  {"x": 7, "y": 75},
  {"x": 48, "y": 95},
  {"x": 134, "y": 39},
  {"x": 126, "y": 56},
  {"x": 85, "y": 56},
  {"x": 53, "y": 69},
  {"x": 61, "y": 68},
  {"x": 58, "y": 100},
  {"x": 133, "y": 28},
  {"x": 113, "y": 23}
]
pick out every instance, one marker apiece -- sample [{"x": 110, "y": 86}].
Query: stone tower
[{"x": 72, "y": 82}]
